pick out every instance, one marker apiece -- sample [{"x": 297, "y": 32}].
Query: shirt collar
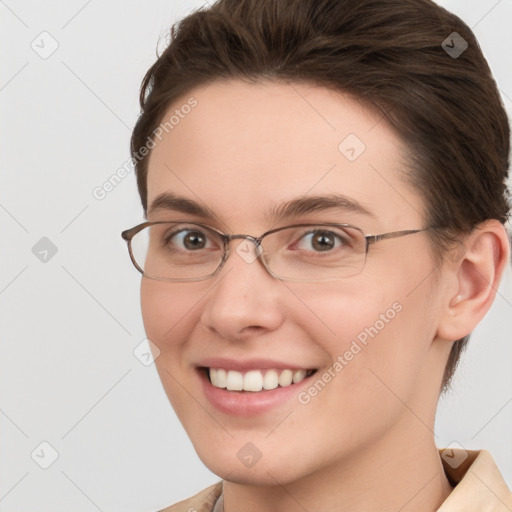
[{"x": 479, "y": 485}]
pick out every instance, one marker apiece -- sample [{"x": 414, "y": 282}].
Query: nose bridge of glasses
[
  {"x": 244, "y": 249},
  {"x": 240, "y": 236}
]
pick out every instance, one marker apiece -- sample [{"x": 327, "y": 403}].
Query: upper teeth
[{"x": 254, "y": 380}]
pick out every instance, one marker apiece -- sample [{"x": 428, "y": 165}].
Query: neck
[{"x": 394, "y": 474}]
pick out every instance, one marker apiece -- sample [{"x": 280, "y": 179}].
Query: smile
[{"x": 255, "y": 380}]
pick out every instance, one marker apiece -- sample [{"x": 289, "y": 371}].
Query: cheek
[
  {"x": 168, "y": 318},
  {"x": 376, "y": 355},
  {"x": 379, "y": 337},
  {"x": 342, "y": 315},
  {"x": 155, "y": 309},
  {"x": 165, "y": 311}
]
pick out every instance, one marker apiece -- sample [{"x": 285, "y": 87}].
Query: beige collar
[{"x": 479, "y": 485}]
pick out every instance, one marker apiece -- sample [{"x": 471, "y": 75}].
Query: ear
[{"x": 476, "y": 273}]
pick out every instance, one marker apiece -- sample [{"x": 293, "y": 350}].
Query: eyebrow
[{"x": 303, "y": 205}]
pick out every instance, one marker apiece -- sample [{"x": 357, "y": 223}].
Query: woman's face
[{"x": 243, "y": 151}]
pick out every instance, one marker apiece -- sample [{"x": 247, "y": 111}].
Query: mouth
[{"x": 255, "y": 381}]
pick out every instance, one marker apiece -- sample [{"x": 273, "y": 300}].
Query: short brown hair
[{"x": 390, "y": 54}]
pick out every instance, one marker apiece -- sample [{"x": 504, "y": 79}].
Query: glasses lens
[
  {"x": 176, "y": 251},
  {"x": 315, "y": 252}
]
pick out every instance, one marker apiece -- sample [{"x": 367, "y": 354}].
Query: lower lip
[{"x": 249, "y": 403}]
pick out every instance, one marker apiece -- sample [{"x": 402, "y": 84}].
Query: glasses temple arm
[{"x": 394, "y": 234}]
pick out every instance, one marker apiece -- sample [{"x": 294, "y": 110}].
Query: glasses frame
[{"x": 128, "y": 235}]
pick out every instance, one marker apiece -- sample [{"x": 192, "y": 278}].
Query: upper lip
[{"x": 250, "y": 364}]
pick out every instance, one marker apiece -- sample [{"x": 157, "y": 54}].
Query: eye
[
  {"x": 321, "y": 240},
  {"x": 187, "y": 239}
]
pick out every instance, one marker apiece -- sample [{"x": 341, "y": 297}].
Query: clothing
[{"x": 479, "y": 487}]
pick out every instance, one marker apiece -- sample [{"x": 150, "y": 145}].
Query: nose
[{"x": 245, "y": 300}]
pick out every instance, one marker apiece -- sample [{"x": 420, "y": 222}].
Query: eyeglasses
[{"x": 180, "y": 251}]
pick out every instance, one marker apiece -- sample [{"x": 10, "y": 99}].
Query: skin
[{"x": 366, "y": 441}]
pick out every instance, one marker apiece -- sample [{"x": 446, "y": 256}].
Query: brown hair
[{"x": 390, "y": 54}]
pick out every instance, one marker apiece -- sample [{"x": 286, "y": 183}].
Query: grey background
[{"x": 71, "y": 318}]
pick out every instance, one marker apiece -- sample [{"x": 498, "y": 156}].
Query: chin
[{"x": 275, "y": 470}]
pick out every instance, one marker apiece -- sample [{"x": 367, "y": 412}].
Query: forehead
[{"x": 245, "y": 149}]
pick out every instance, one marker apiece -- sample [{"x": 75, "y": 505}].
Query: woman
[{"x": 324, "y": 184}]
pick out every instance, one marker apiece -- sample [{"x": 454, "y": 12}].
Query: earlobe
[{"x": 477, "y": 273}]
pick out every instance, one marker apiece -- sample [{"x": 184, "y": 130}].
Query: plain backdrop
[{"x": 76, "y": 395}]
